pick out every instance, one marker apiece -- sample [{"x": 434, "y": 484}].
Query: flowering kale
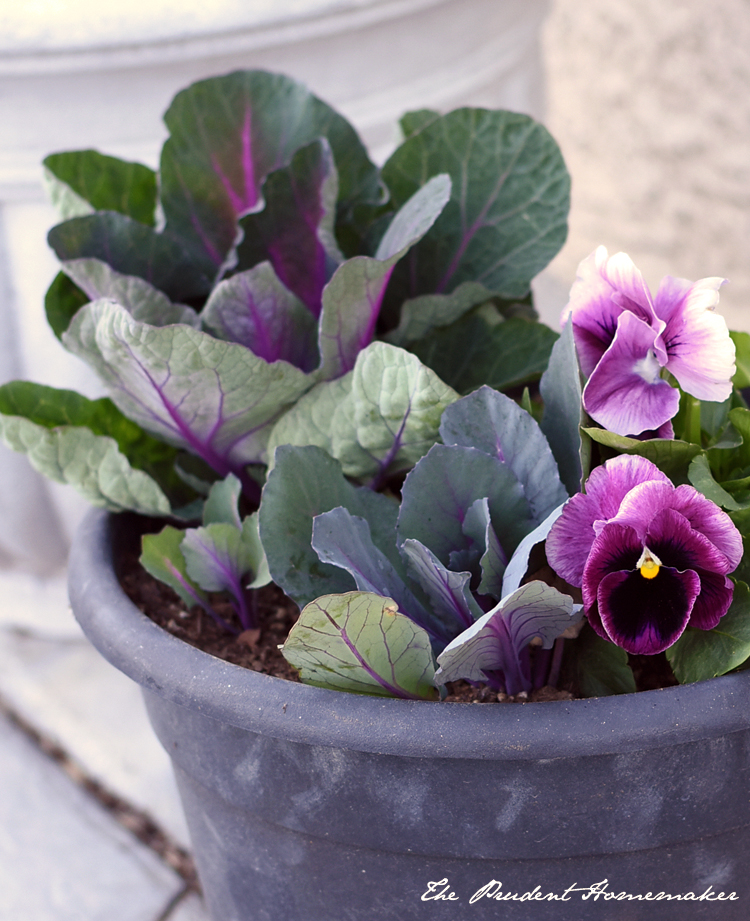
[
  {"x": 625, "y": 337},
  {"x": 450, "y": 558},
  {"x": 260, "y": 264},
  {"x": 651, "y": 558},
  {"x": 224, "y": 555}
]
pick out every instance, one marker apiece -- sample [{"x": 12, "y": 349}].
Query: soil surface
[{"x": 275, "y": 614}]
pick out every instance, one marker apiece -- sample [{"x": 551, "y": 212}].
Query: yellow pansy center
[{"x": 649, "y": 564}]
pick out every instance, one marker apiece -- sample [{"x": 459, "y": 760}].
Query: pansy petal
[
  {"x": 604, "y": 287},
  {"x": 616, "y": 548},
  {"x": 668, "y": 302},
  {"x": 664, "y": 431},
  {"x": 625, "y": 393},
  {"x": 709, "y": 519},
  {"x": 570, "y": 539},
  {"x": 646, "y": 616},
  {"x": 713, "y": 602},
  {"x": 608, "y": 485},
  {"x": 641, "y": 504},
  {"x": 672, "y": 539},
  {"x": 572, "y": 535},
  {"x": 700, "y": 353},
  {"x": 595, "y": 621}
]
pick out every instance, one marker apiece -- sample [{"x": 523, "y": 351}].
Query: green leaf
[
  {"x": 672, "y": 457},
  {"x": 528, "y": 405},
  {"x": 714, "y": 418},
  {"x": 381, "y": 419},
  {"x": 702, "y": 654},
  {"x": 562, "y": 392},
  {"x": 81, "y": 178},
  {"x": 422, "y": 315},
  {"x": 132, "y": 248},
  {"x": 359, "y": 642},
  {"x": 91, "y": 463},
  {"x": 320, "y": 414},
  {"x": 413, "y": 122},
  {"x": 508, "y": 213},
  {"x": 227, "y": 134},
  {"x": 700, "y": 476},
  {"x": 741, "y": 341},
  {"x": 599, "y": 667},
  {"x": 725, "y": 452},
  {"x": 472, "y": 352},
  {"x": 162, "y": 557},
  {"x": 398, "y": 404},
  {"x": 438, "y": 493},
  {"x": 740, "y": 419},
  {"x": 222, "y": 503},
  {"x": 219, "y": 556},
  {"x": 741, "y": 520},
  {"x": 142, "y": 300},
  {"x": 306, "y": 482},
  {"x": 61, "y": 303},
  {"x": 353, "y": 297},
  {"x": 57, "y": 410},
  {"x": 213, "y": 398}
]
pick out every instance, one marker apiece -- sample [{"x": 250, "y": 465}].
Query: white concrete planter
[{"x": 101, "y": 75}]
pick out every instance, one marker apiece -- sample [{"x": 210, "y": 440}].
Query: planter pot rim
[
  {"x": 283, "y": 709},
  {"x": 76, "y": 41}
]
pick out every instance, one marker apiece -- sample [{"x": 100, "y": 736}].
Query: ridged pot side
[{"x": 314, "y": 804}]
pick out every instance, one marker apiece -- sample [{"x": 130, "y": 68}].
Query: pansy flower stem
[{"x": 692, "y": 419}]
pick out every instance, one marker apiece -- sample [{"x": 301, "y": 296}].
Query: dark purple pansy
[
  {"x": 651, "y": 558},
  {"x": 625, "y": 337}
]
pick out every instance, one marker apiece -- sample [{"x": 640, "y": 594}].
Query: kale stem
[
  {"x": 217, "y": 618},
  {"x": 250, "y": 488},
  {"x": 542, "y": 665},
  {"x": 557, "y": 655}
]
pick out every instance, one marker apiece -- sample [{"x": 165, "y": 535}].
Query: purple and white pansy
[
  {"x": 625, "y": 337},
  {"x": 651, "y": 558}
]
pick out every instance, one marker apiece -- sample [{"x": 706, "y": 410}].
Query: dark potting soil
[{"x": 275, "y": 614}]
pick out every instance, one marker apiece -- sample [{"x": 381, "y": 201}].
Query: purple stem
[
  {"x": 557, "y": 657},
  {"x": 246, "y": 618},
  {"x": 214, "y": 460},
  {"x": 199, "y": 600},
  {"x": 542, "y": 660},
  {"x": 250, "y": 488},
  {"x": 248, "y": 198},
  {"x": 235, "y": 589},
  {"x": 516, "y": 665},
  {"x": 377, "y": 481}
]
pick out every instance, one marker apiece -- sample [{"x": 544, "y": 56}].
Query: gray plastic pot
[{"x": 311, "y": 805}]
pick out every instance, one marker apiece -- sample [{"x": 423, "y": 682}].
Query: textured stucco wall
[{"x": 650, "y": 102}]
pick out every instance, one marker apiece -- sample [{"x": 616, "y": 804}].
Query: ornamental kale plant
[
  {"x": 393, "y": 587},
  {"x": 265, "y": 258},
  {"x": 223, "y": 555}
]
